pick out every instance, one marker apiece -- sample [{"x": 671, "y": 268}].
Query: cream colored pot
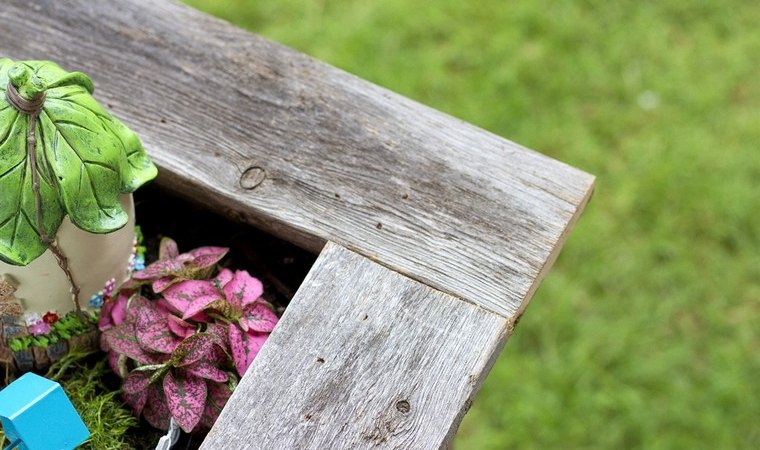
[{"x": 94, "y": 259}]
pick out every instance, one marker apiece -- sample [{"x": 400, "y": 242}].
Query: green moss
[{"x": 107, "y": 418}]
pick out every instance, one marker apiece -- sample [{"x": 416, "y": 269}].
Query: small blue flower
[
  {"x": 96, "y": 301},
  {"x": 138, "y": 263}
]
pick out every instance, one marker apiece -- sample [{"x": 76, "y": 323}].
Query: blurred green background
[{"x": 647, "y": 332}]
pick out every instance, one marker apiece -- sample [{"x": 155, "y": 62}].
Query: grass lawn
[{"x": 647, "y": 332}]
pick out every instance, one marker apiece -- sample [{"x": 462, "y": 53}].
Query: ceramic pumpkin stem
[{"x": 32, "y": 108}]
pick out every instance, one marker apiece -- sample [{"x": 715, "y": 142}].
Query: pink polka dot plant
[{"x": 181, "y": 333}]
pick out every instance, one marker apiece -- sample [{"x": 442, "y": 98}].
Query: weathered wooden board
[
  {"x": 312, "y": 153},
  {"x": 362, "y": 358}
]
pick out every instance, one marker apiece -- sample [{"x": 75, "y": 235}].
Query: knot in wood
[
  {"x": 252, "y": 177},
  {"x": 403, "y": 407},
  {"x": 31, "y": 106}
]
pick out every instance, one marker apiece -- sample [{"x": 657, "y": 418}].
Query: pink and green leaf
[
  {"x": 119, "y": 309},
  {"x": 113, "y": 312},
  {"x": 152, "y": 327},
  {"x": 156, "y": 410},
  {"x": 156, "y": 336},
  {"x": 185, "y": 293},
  {"x": 173, "y": 267},
  {"x": 220, "y": 356},
  {"x": 167, "y": 249},
  {"x": 104, "y": 321},
  {"x": 179, "y": 327},
  {"x": 136, "y": 306},
  {"x": 158, "y": 269},
  {"x": 186, "y": 396},
  {"x": 136, "y": 400},
  {"x": 245, "y": 346},
  {"x": 219, "y": 335},
  {"x": 137, "y": 381},
  {"x": 224, "y": 277},
  {"x": 259, "y": 317},
  {"x": 122, "y": 339},
  {"x": 221, "y": 307},
  {"x": 243, "y": 289},
  {"x": 203, "y": 304},
  {"x": 118, "y": 364},
  {"x": 218, "y": 395},
  {"x": 208, "y": 371},
  {"x": 192, "y": 349},
  {"x": 164, "y": 283},
  {"x": 208, "y": 256}
]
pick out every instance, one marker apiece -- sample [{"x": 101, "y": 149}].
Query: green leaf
[
  {"x": 20, "y": 241},
  {"x": 19, "y": 344},
  {"x": 86, "y": 159}
]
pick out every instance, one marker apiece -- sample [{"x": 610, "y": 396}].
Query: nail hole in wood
[
  {"x": 163, "y": 120},
  {"x": 252, "y": 177},
  {"x": 405, "y": 196},
  {"x": 379, "y": 226},
  {"x": 320, "y": 360},
  {"x": 403, "y": 406},
  {"x": 337, "y": 195},
  {"x": 365, "y": 317},
  {"x": 307, "y": 417},
  {"x": 235, "y": 215}
]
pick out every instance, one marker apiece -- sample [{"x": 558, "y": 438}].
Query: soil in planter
[{"x": 280, "y": 265}]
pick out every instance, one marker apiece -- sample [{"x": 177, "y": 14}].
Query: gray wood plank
[
  {"x": 362, "y": 358},
  {"x": 312, "y": 153}
]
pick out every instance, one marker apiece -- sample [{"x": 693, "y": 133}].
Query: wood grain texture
[
  {"x": 312, "y": 153},
  {"x": 362, "y": 358}
]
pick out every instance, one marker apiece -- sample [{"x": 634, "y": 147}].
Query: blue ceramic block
[{"x": 36, "y": 412}]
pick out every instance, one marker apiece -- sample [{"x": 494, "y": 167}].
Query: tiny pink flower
[
  {"x": 39, "y": 328},
  {"x": 109, "y": 287}
]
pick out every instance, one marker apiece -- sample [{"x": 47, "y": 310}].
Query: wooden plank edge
[
  {"x": 556, "y": 250},
  {"x": 448, "y": 441}
]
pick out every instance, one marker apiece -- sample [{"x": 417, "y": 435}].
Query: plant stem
[
  {"x": 60, "y": 256},
  {"x": 63, "y": 262}
]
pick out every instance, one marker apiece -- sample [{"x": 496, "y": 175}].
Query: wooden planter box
[{"x": 433, "y": 234}]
